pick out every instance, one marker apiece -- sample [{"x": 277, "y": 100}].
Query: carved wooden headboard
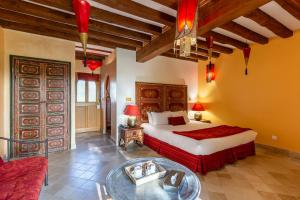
[{"x": 157, "y": 97}]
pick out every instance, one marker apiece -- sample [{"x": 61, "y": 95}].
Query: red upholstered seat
[{"x": 22, "y": 179}]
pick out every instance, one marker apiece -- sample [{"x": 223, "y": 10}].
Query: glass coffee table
[{"x": 120, "y": 187}]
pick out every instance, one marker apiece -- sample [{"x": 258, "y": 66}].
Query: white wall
[
  {"x": 109, "y": 69},
  {"x": 158, "y": 70}
]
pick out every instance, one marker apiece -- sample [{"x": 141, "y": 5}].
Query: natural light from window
[
  {"x": 81, "y": 91},
  {"x": 92, "y": 91}
]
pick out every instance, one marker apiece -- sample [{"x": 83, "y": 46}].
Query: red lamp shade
[
  {"x": 132, "y": 110},
  {"x": 93, "y": 64},
  {"x": 186, "y": 14},
  {"x": 198, "y": 107}
]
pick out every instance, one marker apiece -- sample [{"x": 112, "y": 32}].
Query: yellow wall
[
  {"x": 1, "y": 83},
  {"x": 267, "y": 100},
  {"x": 25, "y": 44}
]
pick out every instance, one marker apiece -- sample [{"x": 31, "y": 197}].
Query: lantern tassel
[{"x": 84, "y": 39}]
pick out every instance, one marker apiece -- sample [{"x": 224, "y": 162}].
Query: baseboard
[
  {"x": 284, "y": 152},
  {"x": 83, "y": 130}
]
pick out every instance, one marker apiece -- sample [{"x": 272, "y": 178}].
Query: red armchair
[{"x": 23, "y": 178}]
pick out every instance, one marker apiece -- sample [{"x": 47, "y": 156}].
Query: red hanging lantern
[
  {"x": 186, "y": 26},
  {"x": 82, "y": 12},
  {"x": 210, "y": 72},
  {"x": 210, "y": 43},
  {"x": 246, "y": 52},
  {"x": 93, "y": 64}
]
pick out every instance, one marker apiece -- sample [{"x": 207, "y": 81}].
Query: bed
[{"x": 199, "y": 155}]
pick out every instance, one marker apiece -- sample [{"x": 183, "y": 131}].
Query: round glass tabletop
[{"x": 120, "y": 187}]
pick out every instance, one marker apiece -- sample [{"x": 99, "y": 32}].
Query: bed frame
[{"x": 158, "y": 97}]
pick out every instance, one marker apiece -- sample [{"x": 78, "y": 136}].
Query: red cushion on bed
[{"x": 175, "y": 121}]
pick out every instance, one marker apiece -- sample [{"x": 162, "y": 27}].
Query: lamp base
[
  {"x": 198, "y": 116},
  {"x": 131, "y": 122}
]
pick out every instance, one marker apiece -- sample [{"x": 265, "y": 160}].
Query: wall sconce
[{"x": 210, "y": 72}]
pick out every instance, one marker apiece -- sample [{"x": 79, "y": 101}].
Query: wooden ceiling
[{"x": 136, "y": 26}]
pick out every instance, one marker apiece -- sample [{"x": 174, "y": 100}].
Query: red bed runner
[{"x": 214, "y": 132}]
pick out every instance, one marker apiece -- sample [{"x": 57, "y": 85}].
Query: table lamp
[
  {"x": 132, "y": 111},
  {"x": 198, "y": 107}
]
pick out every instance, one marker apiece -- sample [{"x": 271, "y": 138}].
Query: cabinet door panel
[{"x": 40, "y": 103}]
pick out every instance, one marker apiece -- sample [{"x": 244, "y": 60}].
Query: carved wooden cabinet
[
  {"x": 135, "y": 134},
  {"x": 40, "y": 103}
]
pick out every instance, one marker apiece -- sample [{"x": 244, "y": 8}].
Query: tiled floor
[{"x": 76, "y": 174}]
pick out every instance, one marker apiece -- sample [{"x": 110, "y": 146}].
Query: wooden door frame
[{"x": 12, "y": 88}]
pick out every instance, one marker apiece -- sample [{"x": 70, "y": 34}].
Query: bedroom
[{"x": 141, "y": 77}]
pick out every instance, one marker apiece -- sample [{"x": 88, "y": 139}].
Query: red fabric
[
  {"x": 88, "y": 77},
  {"x": 200, "y": 163},
  {"x": 198, "y": 107},
  {"x": 132, "y": 110},
  {"x": 214, "y": 132},
  {"x": 93, "y": 64},
  {"x": 22, "y": 179},
  {"x": 175, "y": 121},
  {"x": 82, "y": 12},
  {"x": 186, "y": 14}
]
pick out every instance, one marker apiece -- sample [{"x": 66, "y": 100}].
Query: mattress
[{"x": 197, "y": 147}]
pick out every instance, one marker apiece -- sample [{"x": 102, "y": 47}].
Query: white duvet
[{"x": 197, "y": 147}]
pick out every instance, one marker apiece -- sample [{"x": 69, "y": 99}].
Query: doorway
[
  {"x": 107, "y": 106},
  {"x": 40, "y": 104}
]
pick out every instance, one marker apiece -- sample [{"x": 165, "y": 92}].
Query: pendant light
[
  {"x": 186, "y": 27},
  {"x": 82, "y": 12},
  {"x": 246, "y": 52}
]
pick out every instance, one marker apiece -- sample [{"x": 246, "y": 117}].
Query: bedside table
[{"x": 135, "y": 134}]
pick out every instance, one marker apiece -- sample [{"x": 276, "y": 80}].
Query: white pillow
[
  {"x": 160, "y": 118},
  {"x": 181, "y": 113},
  {"x": 150, "y": 120}
]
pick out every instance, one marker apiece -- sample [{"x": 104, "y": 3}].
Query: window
[
  {"x": 92, "y": 93},
  {"x": 86, "y": 91},
  {"x": 80, "y": 91}
]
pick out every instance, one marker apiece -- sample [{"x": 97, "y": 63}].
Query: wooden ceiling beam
[
  {"x": 292, "y": 6},
  {"x": 270, "y": 23},
  {"x": 66, "y": 18},
  {"x": 213, "y": 14},
  {"x": 168, "y": 3},
  {"x": 57, "y": 34},
  {"x": 171, "y": 55},
  {"x": 27, "y": 19},
  {"x": 108, "y": 17},
  {"x": 245, "y": 32},
  {"x": 158, "y": 46},
  {"x": 230, "y": 26},
  {"x": 225, "y": 39},
  {"x": 139, "y": 10},
  {"x": 192, "y": 55},
  {"x": 205, "y": 53},
  {"x": 90, "y": 56},
  {"x": 216, "y": 47}
]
